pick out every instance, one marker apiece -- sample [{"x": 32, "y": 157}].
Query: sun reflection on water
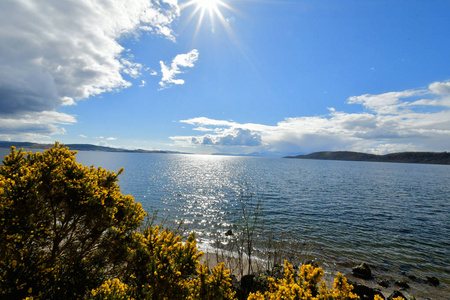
[{"x": 200, "y": 190}]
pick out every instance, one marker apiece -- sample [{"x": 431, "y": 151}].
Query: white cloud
[
  {"x": 387, "y": 103},
  {"x": 440, "y": 88},
  {"x": 33, "y": 125},
  {"x": 391, "y": 123},
  {"x": 54, "y": 52},
  {"x": 130, "y": 68},
  {"x": 203, "y": 121},
  {"x": 82, "y": 135},
  {"x": 205, "y": 129},
  {"x": 143, "y": 83},
  {"x": 111, "y": 139},
  {"x": 231, "y": 137},
  {"x": 104, "y": 144},
  {"x": 181, "y": 60}
]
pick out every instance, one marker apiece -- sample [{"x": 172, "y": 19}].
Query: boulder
[
  {"x": 402, "y": 283},
  {"x": 362, "y": 271},
  {"x": 365, "y": 292},
  {"x": 251, "y": 284},
  {"x": 433, "y": 281},
  {"x": 412, "y": 277},
  {"x": 383, "y": 282},
  {"x": 246, "y": 286},
  {"x": 247, "y": 282}
]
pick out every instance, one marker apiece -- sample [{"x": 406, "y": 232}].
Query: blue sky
[{"x": 278, "y": 77}]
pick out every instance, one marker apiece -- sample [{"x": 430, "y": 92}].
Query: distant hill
[
  {"x": 253, "y": 154},
  {"x": 402, "y": 157},
  {"x": 80, "y": 147}
]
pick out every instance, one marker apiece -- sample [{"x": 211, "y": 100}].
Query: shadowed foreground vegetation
[{"x": 67, "y": 232}]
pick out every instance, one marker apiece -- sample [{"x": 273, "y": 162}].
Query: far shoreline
[
  {"x": 440, "y": 158},
  {"x": 435, "y": 158}
]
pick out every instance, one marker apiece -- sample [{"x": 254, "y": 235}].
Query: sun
[
  {"x": 207, "y": 4},
  {"x": 210, "y": 6},
  {"x": 220, "y": 13}
]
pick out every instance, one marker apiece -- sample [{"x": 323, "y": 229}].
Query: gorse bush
[
  {"x": 67, "y": 232},
  {"x": 161, "y": 266},
  {"x": 64, "y": 227},
  {"x": 112, "y": 290},
  {"x": 304, "y": 284}
]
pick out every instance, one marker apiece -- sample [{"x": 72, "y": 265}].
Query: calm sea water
[{"x": 395, "y": 217}]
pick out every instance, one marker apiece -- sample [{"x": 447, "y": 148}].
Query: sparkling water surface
[
  {"x": 387, "y": 214},
  {"x": 395, "y": 217}
]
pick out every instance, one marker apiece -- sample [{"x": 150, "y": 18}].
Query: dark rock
[
  {"x": 412, "y": 277},
  {"x": 229, "y": 232},
  {"x": 251, "y": 284},
  {"x": 247, "y": 282},
  {"x": 396, "y": 294},
  {"x": 247, "y": 285},
  {"x": 365, "y": 292},
  {"x": 383, "y": 282},
  {"x": 362, "y": 271},
  {"x": 402, "y": 283},
  {"x": 433, "y": 281}
]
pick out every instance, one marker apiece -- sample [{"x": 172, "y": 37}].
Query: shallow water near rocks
[{"x": 395, "y": 217}]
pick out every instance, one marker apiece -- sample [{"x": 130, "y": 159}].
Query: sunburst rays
[{"x": 213, "y": 8}]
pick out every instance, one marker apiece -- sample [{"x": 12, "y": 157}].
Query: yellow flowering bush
[
  {"x": 66, "y": 232},
  {"x": 215, "y": 285},
  {"x": 161, "y": 266},
  {"x": 396, "y": 298},
  {"x": 64, "y": 226},
  {"x": 304, "y": 285},
  {"x": 111, "y": 290}
]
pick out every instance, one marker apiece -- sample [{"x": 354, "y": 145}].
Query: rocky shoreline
[
  {"x": 391, "y": 288},
  {"x": 367, "y": 281}
]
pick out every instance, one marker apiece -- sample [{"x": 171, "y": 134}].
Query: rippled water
[{"x": 393, "y": 216}]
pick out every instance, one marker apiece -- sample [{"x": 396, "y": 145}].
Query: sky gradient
[{"x": 232, "y": 76}]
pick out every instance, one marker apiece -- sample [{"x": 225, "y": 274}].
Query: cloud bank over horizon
[
  {"x": 411, "y": 120},
  {"x": 55, "y": 53}
]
